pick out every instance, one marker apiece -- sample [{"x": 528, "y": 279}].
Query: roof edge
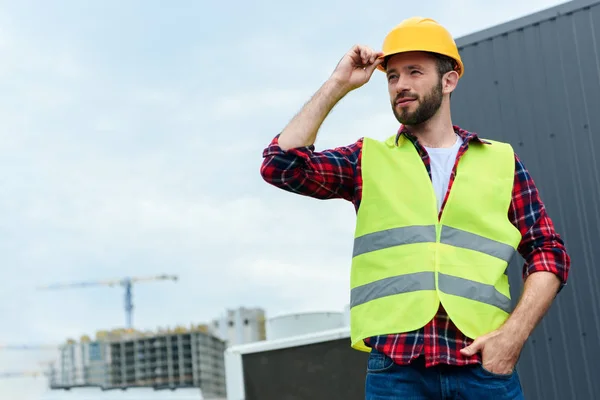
[{"x": 522, "y": 22}]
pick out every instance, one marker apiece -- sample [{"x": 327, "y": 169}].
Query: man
[{"x": 440, "y": 213}]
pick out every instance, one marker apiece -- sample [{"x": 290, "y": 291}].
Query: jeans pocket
[
  {"x": 379, "y": 362},
  {"x": 487, "y": 372}
]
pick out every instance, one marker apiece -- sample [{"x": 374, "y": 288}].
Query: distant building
[
  {"x": 169, "y": 361},
  {"x": 166, "y": 359},
  {"x": 80, "y": 364},
  {"x": 240, "y": 326},
  {"x": 295, "y": 324}
]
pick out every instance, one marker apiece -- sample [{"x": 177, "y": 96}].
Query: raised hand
[{"x": 356, "y": 67}]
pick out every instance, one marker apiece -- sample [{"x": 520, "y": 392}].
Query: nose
[{"x": 402, "y": 84}]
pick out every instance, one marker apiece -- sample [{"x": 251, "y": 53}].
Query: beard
[{"x": 426, "y": 109}]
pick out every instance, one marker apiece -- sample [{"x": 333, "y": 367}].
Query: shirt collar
[{"x": 465, "y": 135}]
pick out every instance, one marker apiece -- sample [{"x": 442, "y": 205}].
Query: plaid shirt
[{"x": 336, "y": 173}]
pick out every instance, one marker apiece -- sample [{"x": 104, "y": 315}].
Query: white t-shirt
[{"x": 442, "y": 162}]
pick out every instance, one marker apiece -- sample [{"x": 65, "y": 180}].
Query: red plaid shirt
[{"x": 336, "y": 173}]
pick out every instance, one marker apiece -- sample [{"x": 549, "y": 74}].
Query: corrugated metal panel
[{"x": 535, "y": 83}]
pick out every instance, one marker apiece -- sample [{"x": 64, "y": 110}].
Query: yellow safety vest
[{"x": 405, "y": 261}]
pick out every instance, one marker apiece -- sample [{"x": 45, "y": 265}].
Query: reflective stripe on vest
[
  {"x": 467, "y": 240},
  {"x": 393, "y": 237},
  {"x": 421, "y": 234},
  {"x": 426, "y": 281}
]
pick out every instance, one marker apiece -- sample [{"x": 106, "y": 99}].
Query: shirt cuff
[
  {"x": 556, "y": 262},
  {"x": 273, "y": 149}
]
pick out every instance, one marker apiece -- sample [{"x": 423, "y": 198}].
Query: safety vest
[{"x": 406, "y": 261}]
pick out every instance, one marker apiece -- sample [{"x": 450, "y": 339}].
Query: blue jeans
[{"x": 389, "y": 381}]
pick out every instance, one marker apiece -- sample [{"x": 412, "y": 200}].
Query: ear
[{"x": 449, "y": 82}]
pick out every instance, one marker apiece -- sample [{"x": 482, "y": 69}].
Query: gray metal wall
[{"x": 535, "y": 82}]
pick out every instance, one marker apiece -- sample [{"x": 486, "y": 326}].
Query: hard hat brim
[{"x": 460, "y": 67}]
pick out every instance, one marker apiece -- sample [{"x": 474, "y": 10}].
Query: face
[{"x": 415, "y": 87}]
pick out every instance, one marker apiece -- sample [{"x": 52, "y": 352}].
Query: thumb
[{"x": 473, "y": 348}]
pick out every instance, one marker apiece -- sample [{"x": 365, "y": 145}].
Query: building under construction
[
  {"x": 184, "y": 359},
  {"x": 167, "y": 359}
]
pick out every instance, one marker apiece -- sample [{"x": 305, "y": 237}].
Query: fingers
[
  {"x": 364, "y": 56},
  {"x": 357, "y": 66},
  {"x": 371, "y": 68}
]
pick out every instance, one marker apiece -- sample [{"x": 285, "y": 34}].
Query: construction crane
[
  {"x": 22, "y": 374},
  {"x": 46, "y": 372},
  {"x": 28, "y": 347},
  {"x": 127, "y": 283}
]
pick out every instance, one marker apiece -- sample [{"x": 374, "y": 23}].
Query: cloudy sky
[{"x": 130, "y": 144}]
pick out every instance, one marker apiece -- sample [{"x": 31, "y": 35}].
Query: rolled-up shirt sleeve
[
  {"x": 541, "y": 246},
  {"x": 328, "y": 174}
]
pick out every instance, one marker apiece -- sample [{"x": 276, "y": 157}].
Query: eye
[
  {"x": 391, "y": 77},
  {"x": 413, "y": 72}
]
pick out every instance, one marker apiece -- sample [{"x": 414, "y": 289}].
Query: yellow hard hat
[{"x": 421, "y": 34}]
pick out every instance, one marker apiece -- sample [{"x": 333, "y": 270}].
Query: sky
[{"x": 130, "y": 145}]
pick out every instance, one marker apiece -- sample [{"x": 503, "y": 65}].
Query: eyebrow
[{"x": 412, "y": 66}]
